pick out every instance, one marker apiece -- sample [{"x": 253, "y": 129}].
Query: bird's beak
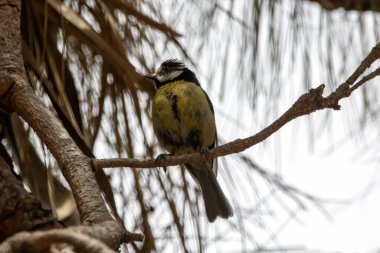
[{"x": 151, "y": 77}]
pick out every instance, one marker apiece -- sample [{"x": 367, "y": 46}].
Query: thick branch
[
  {"x": 20, "y": 98},
  {"x": 53, "y": 239},
  {"x": 308, "y": 103},
  {"x": 354, "y": 5},
  {"x": 19, "y": 210},
  {"x": 80, "y": 238}
]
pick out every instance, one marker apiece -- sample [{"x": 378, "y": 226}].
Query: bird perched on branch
[{"x": 184, "y": 123}]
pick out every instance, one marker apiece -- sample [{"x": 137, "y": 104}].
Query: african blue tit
[{"x": 183, "y": 121}]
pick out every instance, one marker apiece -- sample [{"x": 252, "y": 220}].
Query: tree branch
[
  {"x": 350, "y": 5},
  {"x": 308, "y": 103},
  {"x": 19, "y": 210},
  {"x": 18, "y": 96},
  {"x": 79, "y": 238},
  {"x": 21, "y": 98}
]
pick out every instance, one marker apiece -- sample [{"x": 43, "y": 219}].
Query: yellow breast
[{"x": 182, "y": 118}]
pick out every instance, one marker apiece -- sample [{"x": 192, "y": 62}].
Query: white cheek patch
[{"x": 170, "y": 76}]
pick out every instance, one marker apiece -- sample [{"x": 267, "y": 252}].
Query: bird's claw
[
  {"x": 204, "y": 152},
  {"x": 159, "y": 158}
]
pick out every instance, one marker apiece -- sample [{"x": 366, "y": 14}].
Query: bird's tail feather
[{"x": 216, "y": 203}]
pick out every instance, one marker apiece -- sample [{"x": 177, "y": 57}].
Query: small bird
[{"x": 184, "y": 123}]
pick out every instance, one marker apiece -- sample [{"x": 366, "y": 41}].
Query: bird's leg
[{"x": 160, "y": 157}]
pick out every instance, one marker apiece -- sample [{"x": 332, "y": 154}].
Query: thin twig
[{"x": 306, "y": 104}]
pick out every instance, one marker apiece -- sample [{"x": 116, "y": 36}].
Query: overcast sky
[{"x": 340, "y": 168}]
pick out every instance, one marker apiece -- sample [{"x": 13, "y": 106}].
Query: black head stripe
[{"x": 172, "y": 64}]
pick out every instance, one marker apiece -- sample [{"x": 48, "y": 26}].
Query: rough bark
[
  {"x": 21, "y": 99},
  {"x": 19, "y": 210},
  {"x": 18, "y": 96},
  {"x": 350, "y": 5}
]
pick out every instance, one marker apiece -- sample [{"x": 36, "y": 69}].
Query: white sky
[
  {"x": 342, "y": 175},
  {"x": 322, "y": 165},
  {"x": 346, "y": 174}
]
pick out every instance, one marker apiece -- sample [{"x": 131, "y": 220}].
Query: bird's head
[{"x": 170, "y": 71}]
